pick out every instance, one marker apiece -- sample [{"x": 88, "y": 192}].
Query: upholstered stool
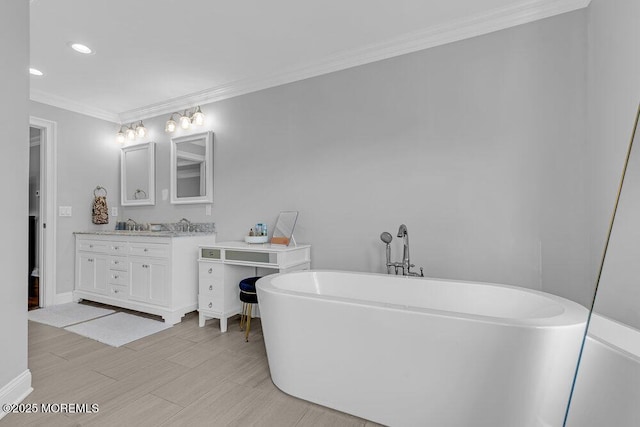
[{"x": 248, "y": 296}]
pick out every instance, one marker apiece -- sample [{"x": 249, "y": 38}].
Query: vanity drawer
[
  {"x": 97, "y": 246},
  {"x": 118, "y": 248},
  {"x": 210, "y": 270},
  {"x": 156, "y": 250},
  {"x": 117, "y": 277},
  {"x": 206, "y": 302},
  {"x": 211, "y": 288},
  {"x": 117, "y": 291},
  {"x": 118, "y": 264}
]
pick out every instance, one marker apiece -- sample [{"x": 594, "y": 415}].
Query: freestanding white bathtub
[{"x": 421, "y": 352}]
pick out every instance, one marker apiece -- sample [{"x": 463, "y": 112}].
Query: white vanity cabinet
[
  {"x": 91, "y": 266},
  {"x": 92, "y": 272},
  {"x": 149, "y": 280},
  {"x": 224, "y": 265},
  {"x": 155, "y": 274}
]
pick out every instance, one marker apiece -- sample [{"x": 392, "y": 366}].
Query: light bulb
[
  {"x": 141, "y": 131},
  {"x": 170, "y": 126},
  {"x": 131, "y": 134},
  {"x": 198, "y": 117},
  {"x": 185, "y": 122},
  {"x": 120, "y": 137}
]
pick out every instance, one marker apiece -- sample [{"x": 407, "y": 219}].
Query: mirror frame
[
  {"x": 151, "y": 159},
  {"x": 208, "y": 165}
]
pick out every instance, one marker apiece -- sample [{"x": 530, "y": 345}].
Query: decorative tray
[{"x": 256, "y": 239}]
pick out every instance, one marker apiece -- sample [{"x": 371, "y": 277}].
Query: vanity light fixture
[
  {"x": 130, "y": 132},
  {"x": 35, "y": 72},
  {"x": 188, "y": 117},
  {"x": 185, "y": 121}
]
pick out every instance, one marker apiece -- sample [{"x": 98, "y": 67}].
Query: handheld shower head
[{"x": 387, "y": 238}]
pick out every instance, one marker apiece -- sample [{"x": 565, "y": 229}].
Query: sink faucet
[
  {"x": 132, "y": 225},
  {"x": 185, "y": 224},
  {"x": 406, "y": 262}
]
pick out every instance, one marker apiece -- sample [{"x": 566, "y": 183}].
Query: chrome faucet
[
  {"x": 132, "y": 225},
  {"x": 406, "y": 262},
  {"x": 185, "y": 224}
]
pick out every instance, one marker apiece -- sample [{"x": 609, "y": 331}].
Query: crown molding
[
  {"x": 495, "y": 20},
  {"x": 477, "y": 25},
  {"x": 76, "y": 107}
]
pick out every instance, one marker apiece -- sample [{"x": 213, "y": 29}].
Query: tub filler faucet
[{"x": 406, "y": 262}]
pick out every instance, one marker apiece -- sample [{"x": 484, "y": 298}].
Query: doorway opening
[
  {"x": 35, "y": 217},
  {"x": 42, "y": 220}
]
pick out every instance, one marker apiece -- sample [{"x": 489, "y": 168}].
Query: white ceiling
[{"x": 156, "y": 56}]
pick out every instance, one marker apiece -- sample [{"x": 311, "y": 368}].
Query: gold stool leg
[
  {"x": 243, "y": 315},
  {"x": 246, "y": 333}
]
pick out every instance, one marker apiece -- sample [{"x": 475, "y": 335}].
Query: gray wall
[
  {"x": 14, "y": 164},
  {"x": 614, "y": 93},
  {"x": 88, "y": 156},
  {"x": 478, "y": 146}
]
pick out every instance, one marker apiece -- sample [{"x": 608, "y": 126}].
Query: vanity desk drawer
[
  {"x": 210, "y": 271},
  {"x": 216, "y": 305}
]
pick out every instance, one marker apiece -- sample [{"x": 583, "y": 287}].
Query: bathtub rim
[{"x": 573, "y": 315}]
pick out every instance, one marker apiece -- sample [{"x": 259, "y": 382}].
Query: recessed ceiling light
[
  {"x": 35, "y": 72},
  {"x": 78, "y": 47}
]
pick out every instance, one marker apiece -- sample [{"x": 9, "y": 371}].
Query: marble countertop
[{"x": 147, "y": 233}]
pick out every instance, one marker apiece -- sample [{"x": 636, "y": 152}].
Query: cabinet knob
[
  {"x": 146, "y": 250},
  {"x": 90, "y": 246},
  {"x": 116, "y": 247},
  {"x": 116, "y": 276},
  {"x": 210, "y": 287},
  {"x": 210, "y": 304},
  {"x": 115, "y": 291},
  {"x": 210, "y": 270},
  {"x": 145, "y": 266},
  {"x": 90, "y": 260},
  {"x": 116, "y": 262}
]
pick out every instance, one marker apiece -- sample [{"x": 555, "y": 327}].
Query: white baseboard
[
  {"x": 64, "y": 298},
  {"x": 16, "y": 390}
]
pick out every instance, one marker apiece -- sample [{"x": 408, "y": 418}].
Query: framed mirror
[
  {"x": 192, "y": 168},
  {"x": 283, "y": 231},
  {"x": 137, "y": 175}
]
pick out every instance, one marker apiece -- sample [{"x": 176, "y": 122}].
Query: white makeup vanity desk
[{"x": 223, "y": 265}]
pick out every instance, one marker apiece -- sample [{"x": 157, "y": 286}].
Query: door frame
[{"x": 48, "y": 200}]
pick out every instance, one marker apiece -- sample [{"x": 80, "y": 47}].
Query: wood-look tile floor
[{"x": 182, "y": 376}]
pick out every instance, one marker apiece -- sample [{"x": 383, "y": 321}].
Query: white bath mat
[
  {"x": 118, "y": 329},
  {"x": 67, "y": 314}
]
